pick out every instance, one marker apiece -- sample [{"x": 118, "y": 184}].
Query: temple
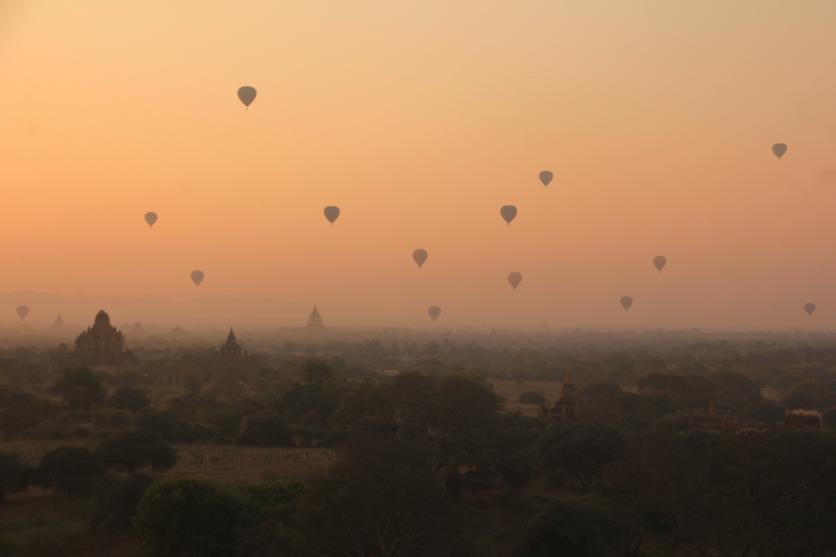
[
  {"x": 716, "y": 419},
  {"x": 59, "y": 322},
  {"x": 231, "y": 349},
  {"x": 101, "y": 345},
  {"x": 807, "y": 420},
  {"x": 315, "y": 320},
  {"x": 566, "y": 408}
]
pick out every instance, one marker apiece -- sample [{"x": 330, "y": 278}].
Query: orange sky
[{"x": 420, "y": 119}]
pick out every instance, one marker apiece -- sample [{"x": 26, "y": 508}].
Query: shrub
[
  {"x": 71, "y": 470},
  {"x": 117, "y": 505},
  {"x": 80, "y": 388},
  {"x": 191, "y": 517},
  {"x": 581, "y": 531},
  {"x": 20, "y": 410},
  {"x": 136, "y": 449},
  {"x": 129, "y": 398},
  {"x": 578, "y": 452},
  {"x": 13, "y": 474},
  {"x": 267, "y": 429}
]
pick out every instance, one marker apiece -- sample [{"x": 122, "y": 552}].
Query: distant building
[
  {"x": 478, "y": 484},
  {"x": 714, "y": 420},
  {"x": 101, "y": 345},
  {"x": 805, "y": 420},
  {"x": 567, "y": 407},
  {"x": 315, "y": 320},
  {"x": 137, "y": 330},
  {"x": 231, "y": 349},
  {"x": 59, "y": 322}
]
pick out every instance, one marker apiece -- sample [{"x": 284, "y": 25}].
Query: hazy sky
[{"x": 420, "y": 119}]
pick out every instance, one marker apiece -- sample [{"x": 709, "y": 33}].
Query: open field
[
  {"x": 510, "y": 392},
  {"x": 225, "y": 463},
  {"x": 251, "y": 464},
  {"x": 31, "y": 451}
]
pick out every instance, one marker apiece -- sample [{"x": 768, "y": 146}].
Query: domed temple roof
[{"x": 101, "y": 344}]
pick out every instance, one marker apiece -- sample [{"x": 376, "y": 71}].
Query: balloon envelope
[
  {"x": 514, "y": 279},
  {"x": 546, "y": 177},
  {"x": 508, "y": 212},
  {"x": 22, "y": 311},
  {"x": 332, "y": 213},
  {"x": 659, "y": 262},
  {"x": 809, "y": 307},
  {"x": 434, "y": 312},
  {"x": 197, "y": 277},
  {"x": 247, "y": 95},
  {"x": 419, "y": 256},
  {"x": 779, "y": 149},
  {"x": 150, "y": 218},
  {"x": 626, "y": 302}
]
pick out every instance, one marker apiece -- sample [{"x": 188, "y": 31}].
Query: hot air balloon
[
  {"x": 22, "y": 311},
  {"x": 779, "y": 149},
  {"x": 435, "y": 312},
  {"x": 197, "y": 277},
  {"x": 809, "y": 307},
  {"x": 626, "y": 302},
  {"x": 150, "y": 218},
  {"x": 247, "y": 95},
  {"x": 659, "y": 262},
  {"x": 514, "y": 279},
  {"x": 546, "y": 177},
  {"x": 508, "y": 212},
  {"x": 332, "y": 213},
  {"x": 419, "y": 256}
]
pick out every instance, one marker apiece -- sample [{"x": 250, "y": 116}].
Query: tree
[
  {"x": 615, "y": 408},
  {"x": 71, "y": 470},
  {"x": 20, "y": 410},
  {"x": 454, "y": 417},
  {"x": 271, "y": 538},
  {"x": 514, "y": 444},
  {"x": 766, "y": 412},
  {"x": 266, "y": 429},
  {"x": 117, "y": 505},
  {"x": 136, "y": 449},
  {"x": 581, "y": 531},
  {"x": 768, "y": 495},
  {"x": 316, "y": 371},
  {"x": 381, "y": 499},
  {"x": 13, "y": 475},
  {"x": 177, "y": 518},
  {"x": 601, "y": 388},
  {"x": 577, "y": 452},
  {"x": 735, "y": 388},
  {"x": 312, "y": 406},
  {"x": 129, "y": 398},
  {"x": 829, "y": 417},
  {"x": 684, "y": 391},
  {"x": 80, "y": 388},
  {"x": 816, "y": 395}
]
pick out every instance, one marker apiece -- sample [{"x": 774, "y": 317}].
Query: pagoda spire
[{"x": 315, "y": 320}]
